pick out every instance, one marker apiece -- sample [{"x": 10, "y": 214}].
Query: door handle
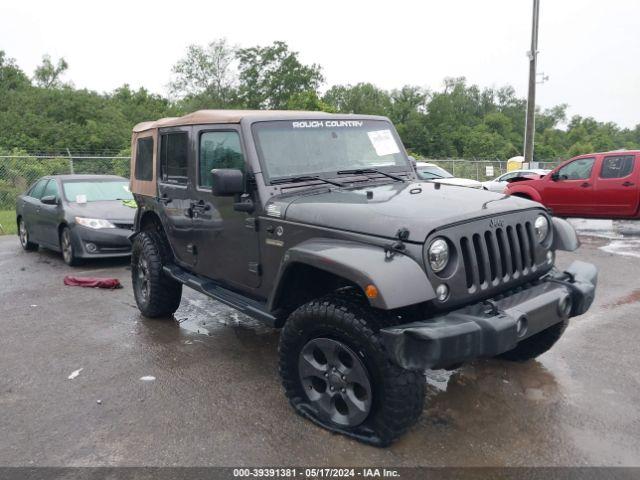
[
  {"x": 628, "y": 184},
  {"x": 585, "y": 184}
]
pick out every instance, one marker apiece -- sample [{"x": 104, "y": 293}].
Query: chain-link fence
[
  {"x": 480, "y": 170},
  {"x": 17, "y": 172}
]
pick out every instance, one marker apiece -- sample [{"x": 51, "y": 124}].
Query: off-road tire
[
  {"x": 66, "y": 247},
  {"x": 537, "y": 344},
  {"x": 398, "y": 394},
  {"x": 23, "y": 235},
  {"x": 160, "y": 296}
]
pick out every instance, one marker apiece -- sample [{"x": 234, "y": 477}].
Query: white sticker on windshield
[
  {"x": 81, "y": 199},
  {"x": 383, "y": 142}
]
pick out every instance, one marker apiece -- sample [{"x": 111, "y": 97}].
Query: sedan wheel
[
  {"x": 23, "y": 234},
  {"x": 66, "y": 246}
]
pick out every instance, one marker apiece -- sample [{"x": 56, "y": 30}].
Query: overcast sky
[{"x": 589, "y": 49}]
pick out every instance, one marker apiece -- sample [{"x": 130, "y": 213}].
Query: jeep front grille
[{"x": 498, "y": 255}]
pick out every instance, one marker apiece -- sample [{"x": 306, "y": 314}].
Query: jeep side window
[
  {"x": 218, "y": 150},
  {"x": 174, "y": 148},
  {"x": 144, "y": 159},
  {"x": 577, "y": 170},
  {"x": 618, "y": 166}
]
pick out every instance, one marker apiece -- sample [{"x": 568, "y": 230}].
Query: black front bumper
[
  {"x": 107, "y": 242},
  {"x": 495, "y": 326}
]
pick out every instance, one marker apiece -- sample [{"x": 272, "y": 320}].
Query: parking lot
[{"x": 215, "y": 396}]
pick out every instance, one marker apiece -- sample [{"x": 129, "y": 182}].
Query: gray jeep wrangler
[{"x": 317, "y": 224}]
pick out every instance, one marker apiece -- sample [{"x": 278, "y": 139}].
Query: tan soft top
[{"x": 221, "y": 116}]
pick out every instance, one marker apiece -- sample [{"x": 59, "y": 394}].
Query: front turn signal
[{"x": 371, "y": 291}]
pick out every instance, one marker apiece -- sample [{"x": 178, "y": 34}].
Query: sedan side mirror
[
  {"x": 49, "y": 200},
  {"x": 555, "y": 176},
  {"x": 227, "y": 182}
]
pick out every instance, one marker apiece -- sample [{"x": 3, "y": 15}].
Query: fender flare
[
  {"x": 400, "y": 280},
  {"x": 564, "y": 235},
  {"x": 530, "y": 192}
]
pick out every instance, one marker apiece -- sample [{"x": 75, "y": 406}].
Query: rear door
[
  {"x": 49, "y": 215},
  {"x": 572, "y": 191},
  {"x": 616, "y": 187},
  {"x": 175, "y": 190}
]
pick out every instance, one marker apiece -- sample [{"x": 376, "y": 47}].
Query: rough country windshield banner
[{"x": 317, "y": 147}]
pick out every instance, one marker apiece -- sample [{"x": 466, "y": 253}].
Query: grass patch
[{"x": 8, "y": 222}]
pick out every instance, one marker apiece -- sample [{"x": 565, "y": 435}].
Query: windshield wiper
[
  {"x": 304, "y": 178},
  {"x": 363, "y": 171}
]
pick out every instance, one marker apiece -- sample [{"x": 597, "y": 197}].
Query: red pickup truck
[{"x": 599, "y": 185}]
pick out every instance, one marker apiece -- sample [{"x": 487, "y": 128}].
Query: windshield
[
  {"x": 317, "y": 147},
  {"x": 95, "y": 191},
  {"x": 431, "y": 172}
]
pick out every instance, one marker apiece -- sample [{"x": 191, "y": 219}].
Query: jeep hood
[{"x": 381, "y": 210}]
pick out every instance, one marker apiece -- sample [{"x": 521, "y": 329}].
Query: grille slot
[
  {"x": 491, "y": 250},
  {"x": 498, "y": 256},
  {"x": 480, "y": 259},
  {"x": 466, "y": 258}
]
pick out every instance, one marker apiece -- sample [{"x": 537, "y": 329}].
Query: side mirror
[
  {"x": 227, "y": 182},
  {"x": 49, "y": 200},
  {"x": 555, "y": 176}
]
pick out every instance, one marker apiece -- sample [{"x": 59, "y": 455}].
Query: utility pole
[{"x": 530, "y": 123}]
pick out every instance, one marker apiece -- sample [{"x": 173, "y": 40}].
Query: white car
[
  {"x": 499, "y": 183},
  {"x": 434, "y": 173}
]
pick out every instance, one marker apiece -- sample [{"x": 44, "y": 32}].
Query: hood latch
[{"x": 398, "y": 245}]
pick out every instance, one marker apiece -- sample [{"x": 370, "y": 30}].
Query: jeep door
[
  {"x": 616, "y": 186},
  {"x": 226, "y": 239},
  {"x": 174, "y": 188}
]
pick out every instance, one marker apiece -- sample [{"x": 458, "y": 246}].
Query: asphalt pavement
[{"x": 203, "y": 388}]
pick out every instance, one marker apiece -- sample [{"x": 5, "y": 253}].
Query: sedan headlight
[
  {"x": 94, "y": 223},
  {"x": 541, "y": 226},
  {"x": 438, "y": 254}
]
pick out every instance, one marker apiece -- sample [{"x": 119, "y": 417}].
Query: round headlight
[
  {"x": 438, "y": 254},
  {"x": 541, "y": 226}
]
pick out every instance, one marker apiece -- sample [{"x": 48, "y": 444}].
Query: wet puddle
[
  {"x": 205, "y": 317},
  {"x": 622, "y": 236}
]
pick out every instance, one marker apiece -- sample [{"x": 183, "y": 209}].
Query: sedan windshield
[
  {"x": 324, "y": 147},
  {"x": 96, "y": 191},
  {"x": 431, "y": 172}
]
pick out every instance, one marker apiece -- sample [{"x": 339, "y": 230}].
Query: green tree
[
  {"x": 11, "y": 77},
  {"x": 47, "y": 75},
  {"x": 363, "y": 98},
  {"x": 208, "y": 72},
  {"x": 270, "y": 76}
]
